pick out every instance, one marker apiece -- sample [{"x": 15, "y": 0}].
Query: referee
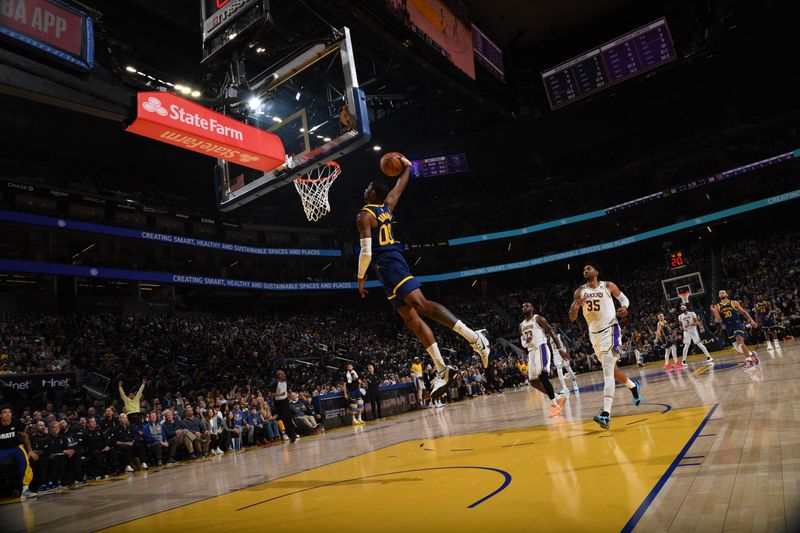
[{"x": 279, "y": 391}]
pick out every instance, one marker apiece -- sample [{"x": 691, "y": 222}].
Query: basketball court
[{"x": 713, "y": 448}]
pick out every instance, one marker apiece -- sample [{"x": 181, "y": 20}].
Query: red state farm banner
[{"x": 174, "y": 120}]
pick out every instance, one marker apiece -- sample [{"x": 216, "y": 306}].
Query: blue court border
[{"x": 661, "y": 482}]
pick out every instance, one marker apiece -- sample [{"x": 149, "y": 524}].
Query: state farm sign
[{"x": 174, "y": 120}]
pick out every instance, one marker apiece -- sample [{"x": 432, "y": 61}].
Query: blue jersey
[
  {"x": 731, "y": 318},
  {"x": 382, "y": 237},
  {"x": 390, "y": 265}
]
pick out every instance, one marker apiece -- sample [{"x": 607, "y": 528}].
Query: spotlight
[
  {"x": 196, "y": 93},
  {"x": 130, "y": 69},
  {"x": 326, "y": 139},
  {"x": 254, "y": 103},
  {"x": 376, "y": 148},
  {"x": 277, "y": 119},
  {"x": 297, "y": 96}
]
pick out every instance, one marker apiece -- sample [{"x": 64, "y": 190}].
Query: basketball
[{"x": 391, "y": 165}]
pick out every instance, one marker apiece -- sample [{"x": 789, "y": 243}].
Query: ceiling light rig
[{"x": 186, "y": 90}]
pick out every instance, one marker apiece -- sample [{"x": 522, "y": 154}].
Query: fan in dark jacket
[
  {"x": 96, "y": 448},
  {"x": 37, "y": 435},
  {"x": 55, "y": 445},
  {"x": 120, "y": 438},
  {"x": 74, "y": 452}
]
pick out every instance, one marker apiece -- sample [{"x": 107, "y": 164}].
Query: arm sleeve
[
  {"x": 364, "y": 256},
  {"x": 623, "y": 300}
]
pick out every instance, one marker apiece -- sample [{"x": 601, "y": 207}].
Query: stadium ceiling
[{"x": 534, "y": 21}]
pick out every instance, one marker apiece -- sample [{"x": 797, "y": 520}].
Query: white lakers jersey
[
  {"x": 687, "y": 320},
  {"x": 598, "y": 308},
  {"x": 531, "y": 334}
]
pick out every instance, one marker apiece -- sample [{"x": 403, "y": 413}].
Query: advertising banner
[
  {"x": 52, "y": 381},
  {"x": 51, "y": 27},
  {"x": 171, "y": 119},
  {"x": 395, "y": 399}
]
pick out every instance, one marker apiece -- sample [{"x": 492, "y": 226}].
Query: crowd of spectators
[{"x": 198, "y": 384}]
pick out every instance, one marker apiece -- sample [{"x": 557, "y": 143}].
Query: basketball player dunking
[
  {"x": 689, "y": 322},
  {"x": 374, "y": 224},
  {"x": 729, "y": 312},
  {"x": 594, "y": 298},
  {"x": 534, "y": 331}
]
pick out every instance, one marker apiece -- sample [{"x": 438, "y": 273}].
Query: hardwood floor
[{"x": 713, "y": 448}]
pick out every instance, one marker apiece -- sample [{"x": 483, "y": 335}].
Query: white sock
[
  {"x": 572, "y": 375},
  {"x": 438, "y": 362},
  {"x": 674, "y": 352},
  {"x": 465, "y": 332},
  {"x": 666, "y": 356},
  {"x": 630, "y": 384},
  {"x": 704, "y": 349},
  {"x": 561, "y": 377},
  {"x": 608, "y": 382}
]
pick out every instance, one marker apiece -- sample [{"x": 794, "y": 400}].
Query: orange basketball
[{"x": 391, "y": 165}]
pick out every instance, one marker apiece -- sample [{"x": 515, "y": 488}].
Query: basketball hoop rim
[{"x": 333, "y": 174}]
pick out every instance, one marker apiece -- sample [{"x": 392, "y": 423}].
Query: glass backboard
[{"x": 313, "y": 103}]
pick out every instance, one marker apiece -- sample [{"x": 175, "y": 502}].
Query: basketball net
[
  {"x": 313, "y": 189},
  {"x": 684, "y": 295}
]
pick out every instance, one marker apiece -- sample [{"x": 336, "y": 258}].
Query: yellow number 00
[{"x": 385, "y": 235}]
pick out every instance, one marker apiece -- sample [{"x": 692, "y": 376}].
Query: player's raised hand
[
  {"x": 361, "y": 290},
  {"x": 405, "y": 161}
]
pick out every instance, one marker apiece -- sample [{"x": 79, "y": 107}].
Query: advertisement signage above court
[
  {"x": 174, "y": 120},
  {"x": 50, "y": 27}
]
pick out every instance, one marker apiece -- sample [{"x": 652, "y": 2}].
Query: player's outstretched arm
[
  {"x": 402, "y": 181},
  {"x": 548, "y": 329},
  {"x": 659, "y": 330},
  {"x": 715, "y": 312},
  {"x": 364, "y": 222},
  {"x": 577, "y": 304},
  {"x": 621, "y": 298}
]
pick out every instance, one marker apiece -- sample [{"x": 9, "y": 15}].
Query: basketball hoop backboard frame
[
  {"x": 673, "y": 287},
  {"x": 232, "y": 194}
]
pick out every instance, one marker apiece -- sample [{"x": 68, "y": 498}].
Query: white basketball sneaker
[{"x": 481, "y": 347}]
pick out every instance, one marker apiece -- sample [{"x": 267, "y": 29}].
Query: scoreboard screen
[
  {"x": 628, "y": 55},
  {"x": 439, "y": 166},
  {"x": 219, "y": 13}
]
